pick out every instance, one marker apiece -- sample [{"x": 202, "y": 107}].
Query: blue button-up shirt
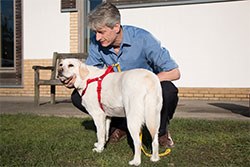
[{"x": 139, "y": 49}]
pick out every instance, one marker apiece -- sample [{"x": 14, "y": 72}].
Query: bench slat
[{"x": 49, "y": 82}]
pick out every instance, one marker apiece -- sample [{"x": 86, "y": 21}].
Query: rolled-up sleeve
[{"x": 158, "y": 56}]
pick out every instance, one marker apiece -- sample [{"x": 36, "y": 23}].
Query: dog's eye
[
  {"x": 70, "y": 65},
  {"x": 60, "y": 64}
]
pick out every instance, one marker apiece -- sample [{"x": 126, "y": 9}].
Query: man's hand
[
  {"x": 69, "y": 83},
  {"x": 169, "y": 75}
]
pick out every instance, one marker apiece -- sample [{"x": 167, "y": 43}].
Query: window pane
[
  {"x": 94, "y": 3},
  {"x": 7, "y": 33}
]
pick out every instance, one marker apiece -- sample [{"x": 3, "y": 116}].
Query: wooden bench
[{"x": 53, "y": 81}]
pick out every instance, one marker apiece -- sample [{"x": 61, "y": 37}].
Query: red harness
[{"x": 99, "y": 84}]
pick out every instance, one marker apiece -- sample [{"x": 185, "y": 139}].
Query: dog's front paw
[
  {"x": 98, "y": 147},
  {"x": 99, "y": 150},
  {"x": 134, "y": 162}
]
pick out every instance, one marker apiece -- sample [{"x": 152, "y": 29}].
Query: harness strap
[
  {"x": 118, "y": 67},
  {"x": 99, "y": 84}
]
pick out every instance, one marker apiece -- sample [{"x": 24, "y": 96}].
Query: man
[{"x": 131, "y": 48}]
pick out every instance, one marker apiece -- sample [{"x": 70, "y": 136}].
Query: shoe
[
  {"x": 117, "y": 136},
  {"x": 166, "y": 141}
]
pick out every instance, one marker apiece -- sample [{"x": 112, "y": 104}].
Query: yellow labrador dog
[{"x": 134, "y": 94}]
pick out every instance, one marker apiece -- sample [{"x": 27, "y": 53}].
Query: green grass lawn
[{"x": 29, "y": 140}]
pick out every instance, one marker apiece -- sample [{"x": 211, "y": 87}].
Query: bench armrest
[{"x": 42, "y": 67}]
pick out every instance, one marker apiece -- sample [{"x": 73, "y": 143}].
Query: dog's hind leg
[
  {"x": 153, "y": 130},
  {"x": 152, "y": 119},
  {"x": 155, "y": 147},
  {"x": 134, "y": 130},
  {"x": 134, "y": 114},
  {"x": 155, "y": 144}
]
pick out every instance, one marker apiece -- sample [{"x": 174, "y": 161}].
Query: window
[
  {"x": 10, "y": 43},
  {"x": 7, "y": 34},
  {"x": 84, "y": 34},
  {"x": 83, "y": 7},
  {"x": 68, "y": 6}
]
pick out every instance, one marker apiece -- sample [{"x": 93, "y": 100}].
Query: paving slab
[
  {"x": 196, "y": 109},
  {"x": 210, "y": 109}
]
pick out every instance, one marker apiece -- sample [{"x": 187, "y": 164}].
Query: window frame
[{"x": 15, "y": 72}]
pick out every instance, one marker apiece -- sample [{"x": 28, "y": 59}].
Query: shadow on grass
[
  {"x": 146, "y": 139},
  {"x": 234, "y": 108},
  {"x": 89, "y": 125}
]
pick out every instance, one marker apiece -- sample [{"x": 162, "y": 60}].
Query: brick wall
[
  {"x": 73, "y": 32},
  {"x": 241, "y": 94}
]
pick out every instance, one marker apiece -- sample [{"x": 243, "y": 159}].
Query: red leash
[{"x": 99, "y": 84}]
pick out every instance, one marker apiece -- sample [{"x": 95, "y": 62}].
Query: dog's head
[{"x": 71, "y": 71}]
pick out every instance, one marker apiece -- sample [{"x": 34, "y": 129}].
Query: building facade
[{"x": 209, "y": 40}]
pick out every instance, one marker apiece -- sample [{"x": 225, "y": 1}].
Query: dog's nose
[{"x": 60, "y": 71}]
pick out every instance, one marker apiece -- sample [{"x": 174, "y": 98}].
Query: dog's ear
[{"x": 83, "y": 70}]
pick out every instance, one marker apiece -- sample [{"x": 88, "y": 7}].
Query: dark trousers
[{"x": 170, "y": 100}]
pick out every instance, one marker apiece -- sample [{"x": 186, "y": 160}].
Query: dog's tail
[
  {"x": 153, "y": 107},
  {"x": 152, "y": 114}
]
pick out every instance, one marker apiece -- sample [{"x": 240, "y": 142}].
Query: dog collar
[{"x": 99, "y": 84}]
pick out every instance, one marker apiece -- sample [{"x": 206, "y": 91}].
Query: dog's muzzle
[
  {"x": 67, "y": 81},
  {"x": 61, "y": 77}
]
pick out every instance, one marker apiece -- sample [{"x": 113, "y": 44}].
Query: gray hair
[{"x": 105, "y": 14}]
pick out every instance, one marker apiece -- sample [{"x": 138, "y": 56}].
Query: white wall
[
  {"x": 45, "y": 28},
  {"x": 210, "y": 42}
]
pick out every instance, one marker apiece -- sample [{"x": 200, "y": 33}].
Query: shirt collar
[{"x": 125, "y": 38}]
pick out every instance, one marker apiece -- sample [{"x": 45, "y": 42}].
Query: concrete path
[{"x": 197, "y": 109}]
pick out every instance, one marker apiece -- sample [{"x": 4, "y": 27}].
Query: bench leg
[
  {"x": 36, "y": 88},
  {"x": 52, "y": 94},
  {"x": 37, "y": 95}
]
